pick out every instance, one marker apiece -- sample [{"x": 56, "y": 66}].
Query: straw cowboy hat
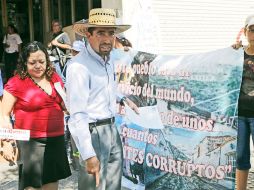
[{"x": 99, "y": 17}]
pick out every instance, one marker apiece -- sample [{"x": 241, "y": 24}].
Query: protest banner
[{"x": 192, "y": 144}]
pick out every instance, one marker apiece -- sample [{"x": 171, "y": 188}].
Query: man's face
[
  {"x": 56, "y": 27},
  {"x": 102, "y": 40}
]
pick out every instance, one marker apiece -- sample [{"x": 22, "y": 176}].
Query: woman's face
[
  {"x": 10, "y": 30},
  {"x": 249, "y": 32},
  {"x": 56, "y": 27},
  {"x": 37, "y": 64}
]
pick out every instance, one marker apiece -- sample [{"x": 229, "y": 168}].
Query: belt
[{"x": 107, "y": 121}]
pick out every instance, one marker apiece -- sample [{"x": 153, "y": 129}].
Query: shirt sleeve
[
  {"x": 18, "y": 39},
  {"x": 12, "y": 86},
  {"x": 77, "y": 86}
]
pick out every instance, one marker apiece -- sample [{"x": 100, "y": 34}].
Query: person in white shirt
[
  {"x": 12, "y": 46},
  {"x": 77, "y": 46},
  {"x": 91, "y": 101}
]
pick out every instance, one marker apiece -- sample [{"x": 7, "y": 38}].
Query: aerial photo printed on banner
[{"x": 185, "y": 135}]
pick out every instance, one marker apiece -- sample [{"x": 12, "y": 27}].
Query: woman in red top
[{"x": 36, "y": 105}]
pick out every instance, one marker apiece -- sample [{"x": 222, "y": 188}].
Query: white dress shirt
[{"x": 91, "y": 96}]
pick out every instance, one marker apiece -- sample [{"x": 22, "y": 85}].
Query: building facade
[
  {"x": 33, "y": 18},
  {"x": 184, "y": 26}
]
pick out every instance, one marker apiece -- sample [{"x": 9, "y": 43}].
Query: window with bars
[{"x": 231, "y": 160}]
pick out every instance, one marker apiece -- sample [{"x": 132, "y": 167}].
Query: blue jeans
[{"x": 245, "y": 129}]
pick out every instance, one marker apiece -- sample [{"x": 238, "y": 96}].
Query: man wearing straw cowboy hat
[{"x": 91, "y": 101}]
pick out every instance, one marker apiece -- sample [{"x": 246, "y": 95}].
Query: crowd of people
[{"x": 30, "y": 92}]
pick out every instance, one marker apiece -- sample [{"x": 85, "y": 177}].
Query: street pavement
[
  {"x": 9, "y": 179},
  {"x": 251, "y": 175}
]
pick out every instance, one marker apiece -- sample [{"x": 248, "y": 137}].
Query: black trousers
[{"x": 10, "y": 64}]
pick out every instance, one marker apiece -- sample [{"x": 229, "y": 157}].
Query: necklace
[{"x": 39, "y": 86}]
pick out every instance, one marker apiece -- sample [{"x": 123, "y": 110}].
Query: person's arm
[
  {"x": 19, "y": 42},
  {"x": 19, "y": 47},
  {"x": 8, "y": 102},
  {"x": 120, "y": 98},
  {"x": 77, "y": 87},
  {"x": 77, "y": 100},
  {"x": 56, "y": 43},
  {"x": 66, "y": 42},
  {"x": 237, "y": 45},
  {"x": 131, "y": 104},
  {"x": 5, "y": 42}
]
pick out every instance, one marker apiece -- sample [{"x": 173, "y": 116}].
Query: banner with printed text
[{"x": 185, "y": 135}]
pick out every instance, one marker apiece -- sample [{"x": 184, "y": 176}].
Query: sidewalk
[
  {"x": 9, "y": 180},
  {"x": 251, "y": 174}
]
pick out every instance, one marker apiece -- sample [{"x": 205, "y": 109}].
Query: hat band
[{"x": 102, "y": 22}]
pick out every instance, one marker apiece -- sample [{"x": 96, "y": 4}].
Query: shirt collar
[{"x": 96, "y": 55}]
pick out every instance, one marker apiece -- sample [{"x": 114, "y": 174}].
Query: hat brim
[
  {"x": 251, "y": 23},
  {"x": 81, "y": 28}
]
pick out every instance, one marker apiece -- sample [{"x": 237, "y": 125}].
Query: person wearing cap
[
  {"x": 245, "y": 108},
  {"x": 92, "y": 103},
  {"x": 239, "y": 43},
  {"x": 77, "y": 46}
]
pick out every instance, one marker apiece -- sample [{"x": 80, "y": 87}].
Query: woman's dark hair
[
  {"x": 33, "y": 47},
  {"x": 13, "y": 28}
]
